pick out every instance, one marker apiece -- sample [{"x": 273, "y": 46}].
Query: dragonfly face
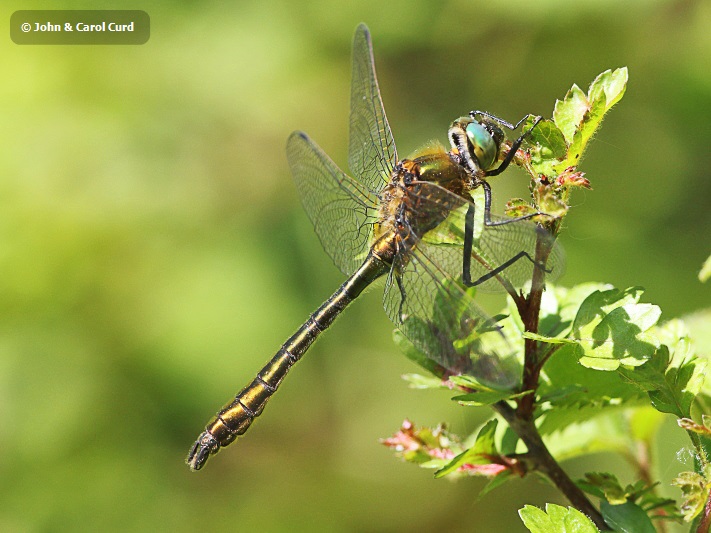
[
  {"x": 413, "y": 222},
  {"x": 477, "y": 142}
]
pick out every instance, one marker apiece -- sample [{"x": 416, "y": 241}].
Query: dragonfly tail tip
[{"x": 204, "y": 446}]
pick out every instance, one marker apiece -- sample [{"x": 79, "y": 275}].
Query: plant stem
[
  {"x": 529, "y": 309},
  {"x": 705, "y": 522},
  {"x": 521, "y": 419},
  {"x": 544, "y": 462}
]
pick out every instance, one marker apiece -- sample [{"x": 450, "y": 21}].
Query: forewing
[
  {"x": 341, "y": 209},
  {"x": 371, "y": 154}
]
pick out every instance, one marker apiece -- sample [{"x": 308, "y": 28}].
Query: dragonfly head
[{"x": 477, "y": 142}]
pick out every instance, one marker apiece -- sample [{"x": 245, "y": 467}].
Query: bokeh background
[{"x": 154, "y": 254}]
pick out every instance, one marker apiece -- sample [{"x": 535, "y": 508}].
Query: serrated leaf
[
  {"x": 610, "y": 84},
  {"x": 578, "y": 116},
  {"x": 611, "y": 329},
  {"x": 549, "y": 147},
  {"x": 556, "y": 519},
  {"x": 627, "y": 518},
  {"x": 671, "y": 385},
  {"x": 577, "y": 394},
  {"x": 559, "y": 307},
  {"x": 569, "y": 112},
  {"x": 583, "y": 133}
]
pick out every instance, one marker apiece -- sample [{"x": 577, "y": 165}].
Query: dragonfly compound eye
[{"x": 482, "y": 144}]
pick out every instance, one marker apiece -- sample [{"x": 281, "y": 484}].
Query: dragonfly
[{"x": 414, "y": 223}]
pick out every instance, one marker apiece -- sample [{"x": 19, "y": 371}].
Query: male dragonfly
[{"x": 411, "y": 221}]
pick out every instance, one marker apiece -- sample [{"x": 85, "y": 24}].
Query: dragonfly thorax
[
  {"x": 417, "y": 199},
  {"x": 434, "y": 164}
]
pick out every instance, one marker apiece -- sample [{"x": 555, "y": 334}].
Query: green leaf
[
  {"x": 480, "y": 398},
  {"x": 546, "y": 339},
  {"x": 576, "y": 394},
  {"x": 549, "y": 146},
  {"x": 611, "y": 328},
  {"x": 694, "y": 490},
  {"x": 626, "y": 518},
  {"x": 556, "y": 519},
  {"x": 418, "y": 381},
  {"x": 559, "y": 307},
  {"x": 613, "y": 491},
  {"x": 603, "y": 429},
  {"x": 495, "y": 482},
  {"x": 671, "y": 383},
  {"x": 578, "y": 116},
  {"x": 569, "y": 112},
  {"x": 470, "y": 382},
  {"x": 610, "y": 84},
  {"x": 481, "y": 453}
]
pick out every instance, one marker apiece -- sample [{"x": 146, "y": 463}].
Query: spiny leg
[
  {"x": 514, "y": 148},
  {"x": 469, "y": 241},
  {"x": 466, "y": 277},
  {"x": 487, "y": 211},
  {"x": 498, "y": 120},
  {"x": 398, "y": 279}
]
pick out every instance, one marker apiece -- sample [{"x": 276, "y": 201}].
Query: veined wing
[
  {"x": 341, "y": 209},
  {"x": 442, "y": 320},
  {"x": 493, "y": 247},
  {"x": 371, "y": 153},
  {"x": 425, "y": 297}
]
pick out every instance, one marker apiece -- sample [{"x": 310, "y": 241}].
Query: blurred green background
[{"x": 154, "y": 254}]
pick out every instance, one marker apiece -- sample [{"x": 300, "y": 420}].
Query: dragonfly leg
[
  {"x": 500, "y": 120},
  {"x": 499, "y": 269},
  {"x": 469, "y": 242},
  {"x": 487, "y": 211},
  {"x": 496, "y": 119},
  {"x": 514, "y": 148},
  {"x": 398, "y": 278}
]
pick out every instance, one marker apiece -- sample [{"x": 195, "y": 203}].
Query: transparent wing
[
  {"x": 442, "y": 320},
  {"x": 425, "y": 297},
  {"x": 371, "y": 153},
  {"x": 341, "y": 209},
  {"x": 512, "y": 244}
]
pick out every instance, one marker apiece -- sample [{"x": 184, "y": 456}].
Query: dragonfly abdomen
[{"x": 237, "y": 416}]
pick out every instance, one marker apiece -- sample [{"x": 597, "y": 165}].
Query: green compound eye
[{"x": 483, "y": 144}]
